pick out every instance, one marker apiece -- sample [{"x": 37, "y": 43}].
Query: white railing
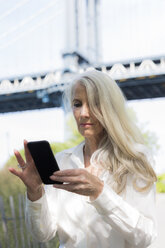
[{"x": 56, "y": 80}]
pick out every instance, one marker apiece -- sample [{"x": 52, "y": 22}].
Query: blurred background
[{"x": 43, "y": 45}]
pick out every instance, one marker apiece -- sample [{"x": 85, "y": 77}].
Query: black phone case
[{"x": 44, "y": 160}]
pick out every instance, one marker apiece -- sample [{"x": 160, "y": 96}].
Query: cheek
[
  {"x": 99, "y": 128},
  {"x": 76, "y": 115}
]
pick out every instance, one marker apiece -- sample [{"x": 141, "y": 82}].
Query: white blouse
[{"x": 111, "y": 221}]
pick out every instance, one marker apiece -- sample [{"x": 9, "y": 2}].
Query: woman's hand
[
  {"x": 29, "y": 174},
  {"x": 78, "y": 181}
]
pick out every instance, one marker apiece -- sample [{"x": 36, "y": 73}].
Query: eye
[{"x": 77, "y": 104}]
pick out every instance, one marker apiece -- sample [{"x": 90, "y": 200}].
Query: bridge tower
[{"x": 82, "y": 44}]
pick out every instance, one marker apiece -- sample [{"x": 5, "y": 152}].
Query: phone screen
[{"x": 44, "y": 160}]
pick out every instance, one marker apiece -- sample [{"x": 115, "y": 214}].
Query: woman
[{"x": 107, "y": 198}]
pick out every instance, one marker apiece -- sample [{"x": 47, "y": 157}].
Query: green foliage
[
  {"x": 160, "y": 185},
  {"x": 150, "y": 138},
  {"x": 9, "y": 184}
]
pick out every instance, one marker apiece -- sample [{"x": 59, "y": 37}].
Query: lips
[{"x": 86, "y": 124}]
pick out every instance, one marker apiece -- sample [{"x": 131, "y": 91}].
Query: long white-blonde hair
[{"x": 121, "y": 148}]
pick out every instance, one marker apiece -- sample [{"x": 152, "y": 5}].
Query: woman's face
[{"x": 87, "y": 123}]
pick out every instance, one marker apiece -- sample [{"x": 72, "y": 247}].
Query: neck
[{"x": 90, "y": 147}]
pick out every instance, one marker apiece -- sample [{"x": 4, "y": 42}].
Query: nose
[{"x": 85, "y": 112}]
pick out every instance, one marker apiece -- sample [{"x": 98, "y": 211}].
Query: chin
[{"x": 87, "y": 134}]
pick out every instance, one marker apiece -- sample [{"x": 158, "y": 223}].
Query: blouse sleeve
[
  {"x": 134, "y": 218},
  {"x": 41, "y": 215},
  {"x": 40, "y": 219}
]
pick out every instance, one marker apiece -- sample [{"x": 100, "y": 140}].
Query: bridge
[{"x": 137, "y": 79}]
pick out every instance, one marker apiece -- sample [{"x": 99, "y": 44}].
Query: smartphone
[{"x": 44, "y": 160}]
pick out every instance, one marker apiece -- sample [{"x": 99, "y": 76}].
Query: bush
[{"x": 160, "y": 185}]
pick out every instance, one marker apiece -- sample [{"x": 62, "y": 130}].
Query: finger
[
  {"x": 67, "y": 187},
  {"x": 61, "y": 186},
  {"x": 19, "y": 158},
  {"x": 27, "y": 152},
  {"x": 69, "y": 172},
  {"x": 15, "y": 172},
  {"x": 69, "y": 179},
  {"x": 75, "y": 188}
]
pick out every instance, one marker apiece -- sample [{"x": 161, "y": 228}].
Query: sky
[
  {"x": 33, "y": 33},
  {"x": 32, "y": 38}
]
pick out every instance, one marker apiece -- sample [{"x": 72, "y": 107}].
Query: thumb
[{"x": 15, "y": 172}]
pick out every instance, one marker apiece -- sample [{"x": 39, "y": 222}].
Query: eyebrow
[{"x": 75, "y": 99}]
